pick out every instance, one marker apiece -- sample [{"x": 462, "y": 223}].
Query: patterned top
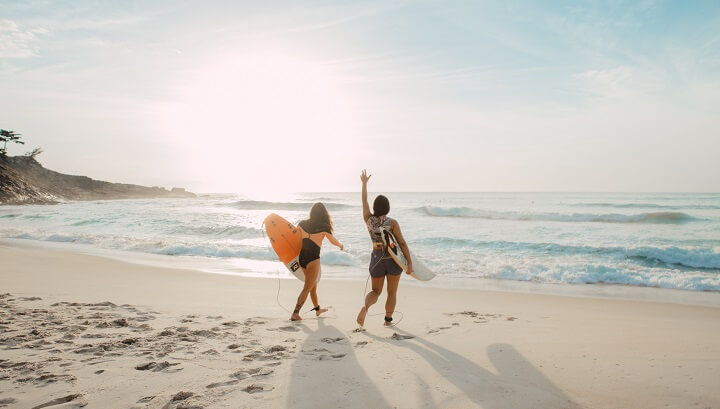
[{"x": 375, "y": 226}]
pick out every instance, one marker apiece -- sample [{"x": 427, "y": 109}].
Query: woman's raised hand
[{"x": 364, "y": 177}]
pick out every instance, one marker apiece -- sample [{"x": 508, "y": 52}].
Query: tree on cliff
[
  {"x": 8, "y": 136},
  {"x": 33, "y": 153}
]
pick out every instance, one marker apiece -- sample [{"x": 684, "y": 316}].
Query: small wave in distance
[{"x": 651, "y": 217}]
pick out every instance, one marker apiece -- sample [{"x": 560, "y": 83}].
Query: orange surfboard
[{"x": 286, "y": 240}]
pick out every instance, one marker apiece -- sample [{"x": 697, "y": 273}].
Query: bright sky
[{"x": 255, "y": 96}]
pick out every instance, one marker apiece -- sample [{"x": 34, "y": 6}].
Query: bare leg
[
  {"x": 316, "y": 304},
  {"x": 392, "y": 287},
  {"x": 371, "y": 298},
  {"x": 311, "y": 273}
]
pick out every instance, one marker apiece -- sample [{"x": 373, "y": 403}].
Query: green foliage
[{"x": 8, "y": 136}]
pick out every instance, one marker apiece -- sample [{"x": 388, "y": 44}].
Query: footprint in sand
[
  {"x": 333, "y": 340},
  {"x": 220, "y": 384},
  {"x": 49, "y": 378},
  {"x": 252, "y": 372},
  {"x": 270, "y": 354},
  {"x": 77, "y": 399},
  {"x": 436, "y": 330},
  {"x": 155, "y": 366},
  {"x": 323, "y": 354},
  {"x": 331, "y": 357},
  {"x": 397, "y": 336},
  {"x": 254, "y": 321},
  {"x": 256, "y": 388},
  {"x": 315, "y": 350},
  {"x": 480, "y": 318},
  {"x": 179, "y": 399},
  {"x": 7, "y": 401},
  {"x": 287, "y": 328},
  {"x": 181, "y": 396}
]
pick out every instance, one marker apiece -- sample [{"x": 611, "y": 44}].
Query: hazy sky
[{"x": 264, "y": 96}]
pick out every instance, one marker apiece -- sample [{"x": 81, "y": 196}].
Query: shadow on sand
[
  {"x": 326, "y": 367},
  {"x": 326, "y": 373},
  {"x": 517, "y": 383}
]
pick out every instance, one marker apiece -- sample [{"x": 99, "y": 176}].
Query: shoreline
[
  {"x": 259, "y": 269},
  {"x": 108, "y": 332}
]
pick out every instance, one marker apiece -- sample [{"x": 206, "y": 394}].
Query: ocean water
[{"x": 647, "y": 240}]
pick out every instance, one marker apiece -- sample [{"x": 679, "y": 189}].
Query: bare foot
[
  {"x": 295, "y": 317},
  {"x": 361, "y": 316},
  {"x": 388, "y": 323},
  {"x": 320, "y": 311}
]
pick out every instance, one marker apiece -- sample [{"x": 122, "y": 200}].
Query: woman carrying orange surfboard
[
  {"x": 382, "y": 265},
  {"x": 314, "y": 230}
]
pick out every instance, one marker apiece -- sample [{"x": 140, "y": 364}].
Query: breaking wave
[
  {"x": 300, "y": 206},
  {"x": 652, "y": 217},
  {"x": 697, "y": 258},
  {"x": 646, "y": 206}
]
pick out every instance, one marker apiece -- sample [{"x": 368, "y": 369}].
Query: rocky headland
[{"x": 23, "y": 180}]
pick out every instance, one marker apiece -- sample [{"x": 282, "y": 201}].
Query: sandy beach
[{"x": 85, "y": 331}]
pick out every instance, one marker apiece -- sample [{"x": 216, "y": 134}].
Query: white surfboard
[{"x": 420, "y": 271}]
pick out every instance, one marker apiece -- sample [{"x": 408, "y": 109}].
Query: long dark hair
[
  {"x": 320, "y": 220},
  {"x": 381, "y": 206}
]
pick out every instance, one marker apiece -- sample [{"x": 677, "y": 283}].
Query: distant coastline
[{"x": 23, "y": 180}]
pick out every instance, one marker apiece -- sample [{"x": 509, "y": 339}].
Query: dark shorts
[{"x": 381, "y": 264}]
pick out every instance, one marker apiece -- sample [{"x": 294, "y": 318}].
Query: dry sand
[{"x": 84, "y": 331}]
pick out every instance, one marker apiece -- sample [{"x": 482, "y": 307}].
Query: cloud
[
  {"x": 608, "y": 81},
  {"x": 16, "y": 42},
  {"x": 621, "y": 83}
]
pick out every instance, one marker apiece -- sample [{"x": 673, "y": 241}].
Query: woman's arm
[
  {"x": 334, "y": 241},
  {"x": 395, "y": 226},
  {"x": 366, "y": 207}
]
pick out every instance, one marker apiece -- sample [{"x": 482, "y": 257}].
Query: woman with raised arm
[
  {"x": 314, "y": 230},
  {"x": 382, "y": 266}
]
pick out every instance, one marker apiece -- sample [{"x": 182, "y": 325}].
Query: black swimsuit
[{"x": 309, "y": 252}]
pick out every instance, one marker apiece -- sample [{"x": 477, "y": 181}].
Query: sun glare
[{"x": 260, "y": 123}]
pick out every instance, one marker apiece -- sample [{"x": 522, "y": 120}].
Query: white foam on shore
[{"x": 275, "y": 270}]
